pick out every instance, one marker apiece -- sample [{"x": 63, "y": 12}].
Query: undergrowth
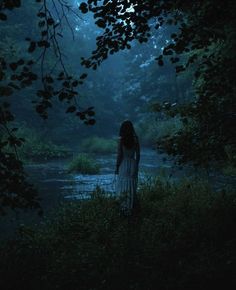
[{"x": 181, "y": 236}]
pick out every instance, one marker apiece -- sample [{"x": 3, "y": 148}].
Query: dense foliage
[
  {"x": 181, "y": 237},
  {"x": 205, "y": 39}
]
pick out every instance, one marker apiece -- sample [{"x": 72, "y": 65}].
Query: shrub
[
  {"x": 150, "y": 130},
  {"x": 98, "y": 145},
  {"x": 182, "y": 238},
  {"x": 35, "y": 148},
  {"x": 84, "y": 164}
]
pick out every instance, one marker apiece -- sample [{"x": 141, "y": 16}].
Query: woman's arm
[{"x": 119, "y": 156}]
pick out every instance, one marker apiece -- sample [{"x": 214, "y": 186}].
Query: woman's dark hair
[{"x": 127, "y": 134}]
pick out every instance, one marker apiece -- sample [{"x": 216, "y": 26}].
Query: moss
[{"x": 84, "y": 164}]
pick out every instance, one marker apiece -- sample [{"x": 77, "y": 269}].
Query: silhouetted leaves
[
  {"x": 101, "y": 23},
  {"x": 91, "y": 122},
  {"x": 83, "y": 76},
  {"x": 3, "y": 16},
  {"x": 41, "y": 14},
  {"x": 83, "y": 7},
  {"x": 71, "y": 109},
  {"x": 43, "y": 43},
  {"x": 50, "y": 21},
  {"x": 32, "y": 47}
]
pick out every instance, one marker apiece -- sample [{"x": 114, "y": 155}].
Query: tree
[
  {"x": 205, "y": 40},
  {"x": 43, "y": 68}
]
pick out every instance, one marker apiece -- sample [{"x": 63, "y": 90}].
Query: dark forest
[{"x": 117, "y": 144}]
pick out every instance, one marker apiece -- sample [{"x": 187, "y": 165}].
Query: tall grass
[
  {"x": 182, "y": 236},
  {"x": 84, "y": 164}
]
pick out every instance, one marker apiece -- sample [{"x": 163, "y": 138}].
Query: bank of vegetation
[{"x": 181, "y": 236}]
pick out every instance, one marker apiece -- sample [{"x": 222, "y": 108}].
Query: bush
[
  {"x": 98, "y": 145},
  {"x": 84, "y": 164},
  {"x": 182, "y": 238},
  {"x": 35, "y": 148},
  {"x": 151, "y": 129}
]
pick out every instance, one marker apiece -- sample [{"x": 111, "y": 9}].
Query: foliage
[
  {"x": 84, "y": 164},
  {"x": 206, "y": 41},
  {"x": 35, "y": 148},
  {"x": 21, "y": 70},
  {"x": 150, "y": 129},
  {"x": 182, "y": 237},
  {"x": 15, "y": 190},
  {"x": 98, "y": 145}
]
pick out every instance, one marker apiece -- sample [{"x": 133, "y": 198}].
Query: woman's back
[{"x": 129, "y": 152}]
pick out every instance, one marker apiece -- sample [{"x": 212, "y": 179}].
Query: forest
[{"x": 72, "y": 73}]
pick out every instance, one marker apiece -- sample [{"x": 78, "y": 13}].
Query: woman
[{"x": 127, "y": 166}]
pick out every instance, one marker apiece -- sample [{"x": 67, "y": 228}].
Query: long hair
[{"x": 127, "y": 134}]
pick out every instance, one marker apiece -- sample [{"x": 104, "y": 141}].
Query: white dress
[{"x": 127, "y": 164}]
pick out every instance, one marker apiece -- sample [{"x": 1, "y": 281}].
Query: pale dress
[{"x": 126, "y": 186}]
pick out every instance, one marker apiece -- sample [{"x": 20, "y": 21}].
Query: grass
[
  {"x": 84, "y": 164},
  {"x": 98, "y": 145},
  {"x": 182, "y": 237}
]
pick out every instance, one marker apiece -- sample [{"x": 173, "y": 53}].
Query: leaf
[
  {"x": 50, "y": 21},
  {"x": 41, "y": 14},
  {"x": 83, "y": 76},
  {"x": 83, "y": 7},
  {"x": 75, "y": 83},
  {"x": 32, "y": 47},
  {"x": 91, "y": 122},
  {"x": 43, "y": 43},
  {"x": 71, "y": 109},
  {"x": 101, "y": 23},
  {"x": 81, "y": 116},
  {"x": 3, "y": 16},
  {"x": 91, "y": 113}
]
